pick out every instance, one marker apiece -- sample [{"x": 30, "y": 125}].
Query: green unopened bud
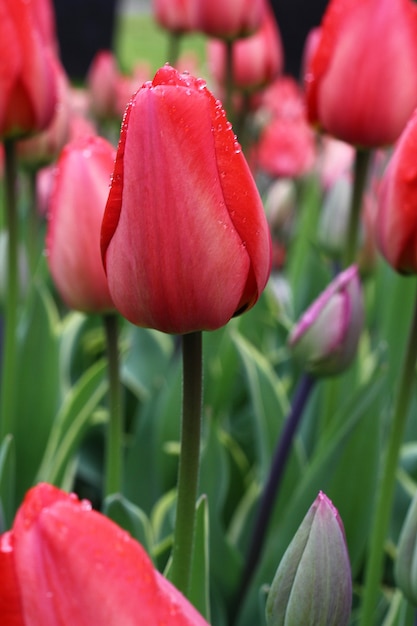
[
  {"x": 406, "y": 563},
  {"x": 313, "y": 584},
  {"x": 326, "y": 337}
]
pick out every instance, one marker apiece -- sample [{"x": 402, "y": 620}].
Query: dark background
[{"x": 86, "y": 26}]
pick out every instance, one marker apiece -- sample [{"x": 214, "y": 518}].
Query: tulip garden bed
[{"x": 208, "y": 325}]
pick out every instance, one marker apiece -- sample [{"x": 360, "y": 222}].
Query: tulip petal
[{"x": 75, "y": 566}]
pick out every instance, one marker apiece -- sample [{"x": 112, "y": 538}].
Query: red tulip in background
[
  {"x": 63, "y": 563},
  {"x": 361, "y": 78},
  {"x": 177, "y": 16},
  {"x": 286, "y": 145},
  {"x": 228, "y": 20},
  {"x": 396, "y": 218},
  {"x": 257, "y": 59},
  {"x": 27, "y": 76},
  {"x": 78, "y": 197},
  {"x": 185, "y": 240}
]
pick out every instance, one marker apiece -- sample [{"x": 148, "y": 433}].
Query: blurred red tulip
[
  {"x": 361, "y": 76},
  {"x": 44, "y": 147},
  {"x": 177, "y": 16},
  {"x": 286, "y": 145},
  {"x": 396, "y": 217},
  {"x": 185, "y": 240},
  {"x": 77, "y": 202},
  {"x": 102, "y": 80},
  {"x": 228, "y": 20},
  {"x": 257, "y": 59},
  {"x": 28, "y": 80},
  {"x": 63, "y": 563}
]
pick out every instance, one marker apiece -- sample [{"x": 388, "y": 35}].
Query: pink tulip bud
[
  {"x": 63, "y": 563},
  {"x": 361, "y": 76},
  {"x": 257, "y": 59},
  {"x": 177, "y": 16},
  {"x": 185, "y": 240},
  {"x": 78, "y": 198},
  {"x": 102, "y": 80},
  {"x": 325, "y": 339},
  {"x": 313, "y": 583},
  {"x": 228, "y": 20}
]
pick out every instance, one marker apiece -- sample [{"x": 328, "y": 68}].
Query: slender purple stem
[{"x": 276, "y": 474}]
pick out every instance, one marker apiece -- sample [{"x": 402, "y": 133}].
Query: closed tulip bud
[
  {"x": 76, "y": 206},
  {"x": 185, "y": 240},
  {"x": 369, "y": 107},
  {"x": 325, "y": 339},
  {"x": 396, "y": 217},
  {"x": 63, "y": 563},
  {"x": 27, "y": 74},
  {"x": 405, "y": 564},
  {"x": 102, "y": 80},
  {"x": 313, "y": 582},
  {"x": 228, "y": 20},
  {"x": 177, "y": 16},
  {"x": 257, "y": 59}
]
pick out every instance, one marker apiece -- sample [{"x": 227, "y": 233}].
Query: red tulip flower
[
  {"x": 396, "y": 218},
  {"x": 77, "y": 202},
  {"x": 361, "y": 78},
  {"x": 228, "y": 20},
  {"x": 185, "y": 240},
  {"x": 177, "y": 16},
  {"x": 27, "y": 76},
  {"x": 257, "y": 59},
  {"x": 63, "y": 563}
]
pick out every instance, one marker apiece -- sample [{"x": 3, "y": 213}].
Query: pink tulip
[
  {"x": 185, "y": 240},
  {"x": 228, "y": 20},
  {"x": 28, "y": 80},
  {"x": 361, "y": 77},
  {"x": 326, "y": 337},
  {"x": 175, "y": 15},
  {"x": 396, "y": 218},
  {"x": 44, "y": 147},
  {"x": 63, "y": 563},
  {"x": 286, "y": 145},
  {"x": 257, "y": 59},
  {"x": 102, "y": 81},
  {"x": 77, "y": 203}
]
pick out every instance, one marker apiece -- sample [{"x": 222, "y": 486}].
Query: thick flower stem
[
  {"x": 9, "y": 357},
  {"x": 113, "y": 477},
  {"x": 229, "y": 82},
  {"x": 362, "y": 160},
  {"x": 189, "y": 461},
  {"x": 385, "y": 493},
  {"x": 174, "y": 44},
  {"x": 271, "y": 488}
]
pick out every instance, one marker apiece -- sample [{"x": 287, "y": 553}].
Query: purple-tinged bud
[
  {"x": 313, "y": 583},
  {"x": 326, "y": 337},
  {"x": 406, "y": 562}
]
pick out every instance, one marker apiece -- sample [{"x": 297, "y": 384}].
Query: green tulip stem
[
  {"x": 9, "y": 357},
  {"x": 113, "y": 476},
  {"x": 174, "y": 44},
  {"x": 385, "y": 492},
  {"x": 229, "y": 81},
  {"x": 189, "y": 462},
  {"x": 362, "y": 160}
]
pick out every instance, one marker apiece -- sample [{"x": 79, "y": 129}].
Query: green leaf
[
  {"x": 7, "y": 474},
  {"x": 199, "y": 588},
  {"x": 268, "y": 399},
  {"x": 76, "y": 414},
  {"x": 131, "y": 518},
  {"x": 39, "y": 384}
]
